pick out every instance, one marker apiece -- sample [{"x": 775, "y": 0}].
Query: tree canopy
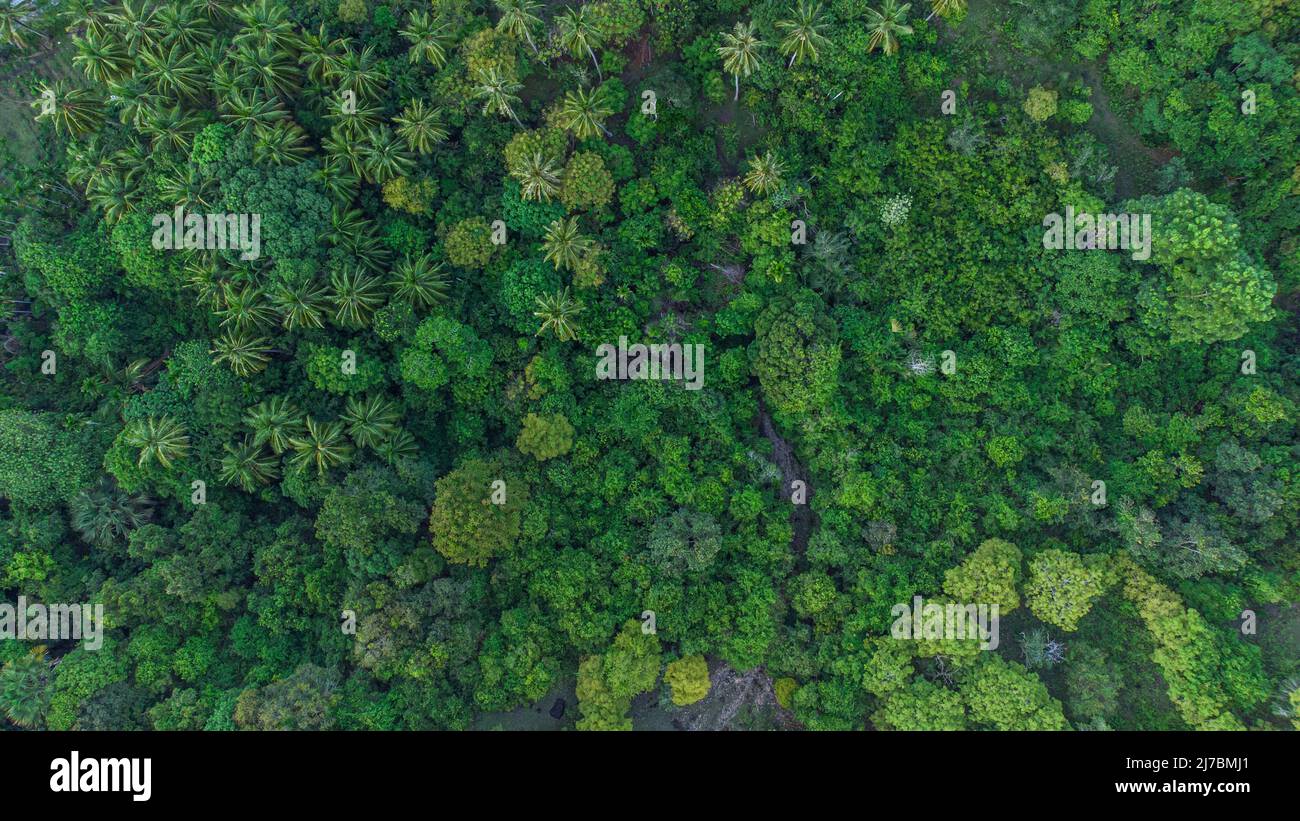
[{"x": 382, "y": 364}]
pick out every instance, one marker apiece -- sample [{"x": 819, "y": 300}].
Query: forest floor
[
  {"x": 791, "y": 470},
  {"x": 536, "y": 716},
  {"x": 19, "y": 132},
  {"x": 1137, "y": 162}
]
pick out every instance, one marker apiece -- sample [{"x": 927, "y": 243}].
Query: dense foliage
[{"x": 365, "y": 475}]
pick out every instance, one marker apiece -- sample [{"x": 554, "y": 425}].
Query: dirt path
[
  {"x": 1137, "y": 161},
  {"x": 800, "y": 515}
]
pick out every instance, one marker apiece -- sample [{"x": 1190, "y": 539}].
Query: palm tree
[
  {"x": 23, "y": 688},
  {"x": 247, "y": 466},
  {"x": 301, "y": 306},
  {"x": 135, "y": 159},
  {"x": 12, "y": 25},
  {"x": 420, "y": 281},
  {"x": 216, "y": 11},
  {"x": 557, "y": 312},
  {"x": 185, "y": 25},
  {"x": 356, "y": 72},
  {"x": 355, "y": 296},
  {"x": 71, "y": 110},
  {"x": 337, "y": 180},
  {"x": 272, "y": 68},
  {"x": 245, "y": 309},
  {"x": 212, "y": 54},
  {"x": 944, "y": 8},
  {"x": 323, "y": 445},
  {"x": 203, "y": 275},
  {"x": 105, "y": 514},
  {"x": 579, "y": 33},
  {"x": 346, "y": 225},
  {"x": 284, "y": 143},
  {"x": 370, "y": 421},
  {"x": 173, "y": 126},
  {"x": 245, "y": 354},
  {"x": 252, "y": 109},
  {"x": 398, "y": 446},
  {"x": 319, "y": 54},
  {"x": 803, "y": 32},
  {"x": 87, "y": 161},
  {"x": 429, "y": 38},
  {"x": 584, "y": 111},
  {"x": 421, "y": 127},
  {"x": 225, "y": 81},
  {"x": 351, "y": 119},
  {"x": 160, "y": 439},
  {"x": 384, "y": 157},
  {"x": 136, "y": 24},
  {"x": 173, "y": 73},
  {"x": 517, "y": 18},
  {"x": 134, "y": 100},
  {"x": 103, "y": 58},
  {"x": 187, "y": 186},
  {"x": 886, "y": 25},
  {"x": 114, "y": 192},
  {"x": 265, "y": 21},
  {"x": 275, "y": 422},
  {"x": 563, "y": 244},
  {"x": 739, "y": 52},
  {"x": 370, "y": 250},
  {"x": 80, "y": 15},
  {"x": 497, "y": 90},
  {"x": 342, "y": 148},
  {"x": 538, "y": 177},
  {"x": 764, "y": 174}
]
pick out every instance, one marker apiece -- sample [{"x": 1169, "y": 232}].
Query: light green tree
[
  {"x": 687, "y": 679},
  {"x": 474, "y": 518},
  {"x": 1004, "y": 695},
  {"x": 545, "y": 437},
  {"x": 989, "y": 575},
  {"x": 1062, "y": 586},
  {"x": 1040, "y": 105}
]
